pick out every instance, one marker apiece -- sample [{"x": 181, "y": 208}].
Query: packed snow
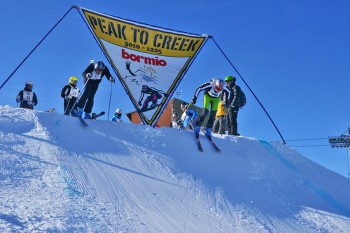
[{"x": 57, "y": 176}]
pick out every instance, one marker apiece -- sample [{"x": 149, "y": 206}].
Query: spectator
[
  {"x": 220, "y": 119},
  {"x": 232, "y": 103},
  {"x": 175, "y": 121}
]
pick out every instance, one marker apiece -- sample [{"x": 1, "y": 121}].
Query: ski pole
[
  {"x": 110, "y": 98},
  {"x": 188, "y": 106},
  {"x": 67, "y": 107},
  {"x": 83, "y": 91}
]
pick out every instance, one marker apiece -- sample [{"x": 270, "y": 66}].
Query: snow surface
[{"x": 57, "y": 176}]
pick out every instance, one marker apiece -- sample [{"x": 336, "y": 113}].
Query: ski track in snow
[{"x": 57, "y": 176}]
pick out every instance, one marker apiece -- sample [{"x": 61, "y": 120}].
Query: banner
[{"x": 150, "y": 61}]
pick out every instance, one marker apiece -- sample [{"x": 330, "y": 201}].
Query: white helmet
[
  {"x": 218, "y": 84},
  {"x": 118, "y": 111},
  {"x": 29, "y": 83}
]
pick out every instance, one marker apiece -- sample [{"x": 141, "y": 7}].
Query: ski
[
  {"x": 82, "y": 121},
  {"x": 199, "y": 145},
  {"x": 213, "y": 143},
  {"x": 95, "y": 115}
]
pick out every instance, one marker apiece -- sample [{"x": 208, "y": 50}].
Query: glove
[
  {"x": 88, "y": 75},
  {"x": 180, "y": 124},
  {"x": 139, "y": 103},
  {"x": 18, "y": 99},
  {"x": 112, "y": 79},
  {"x": 194, "y": 100}
]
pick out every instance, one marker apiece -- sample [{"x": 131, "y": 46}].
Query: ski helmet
[
  {"x": 73, "y": 80},
  {"x": 230, "y": 78},
  {"x": 184, "y": 105},
  {"x": 175, "y": 115},
  {"x": 218, "y": 84},
  {"x": 100, "y": 66},
  {"x": 144, "y": 87},
  {"x": 118, "y": 111}
]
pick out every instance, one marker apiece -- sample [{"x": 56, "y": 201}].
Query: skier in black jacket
[
  {"x": 26, "y": 97},
  {"x": 92, "y": 77},
  {"x": 70, "y": 93}
]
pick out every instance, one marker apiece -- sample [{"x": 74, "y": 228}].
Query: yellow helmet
[{"x": 73, "y": 80}]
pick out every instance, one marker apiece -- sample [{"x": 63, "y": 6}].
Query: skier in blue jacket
[
  {"x": 188, "y": 117},
  {"x": 117, "y": 116}
]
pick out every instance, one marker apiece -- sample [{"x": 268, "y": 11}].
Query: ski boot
[
  {"x": 87, "y": 116},
  {"x": 197, "y": 130},
  {"x": 208, "y": 133},
  {"x": 80, "y": 111}
]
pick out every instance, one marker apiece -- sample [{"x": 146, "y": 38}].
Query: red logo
[{"x": 147, "y": 60}]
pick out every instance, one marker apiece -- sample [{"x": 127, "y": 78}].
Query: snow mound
[{"x": 57, "y": 176}]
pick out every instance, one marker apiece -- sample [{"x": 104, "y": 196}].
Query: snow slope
[{"x": 57, "y": 176}]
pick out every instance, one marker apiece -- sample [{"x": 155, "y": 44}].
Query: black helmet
[
  {"x": 184, "y": 105},
  {"x": 100, "y": 66}
]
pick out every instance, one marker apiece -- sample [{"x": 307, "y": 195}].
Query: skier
[
  {"x": 93, "y": 75},
  {"x": 211, "y": 97},
  {"x": 26, "y": 97},
  {"x": 70, "y": 93},
  {"x": 188, "y": 117},
  {"x": 154, "y": 96},
  {"x": 117, "y": 116}
]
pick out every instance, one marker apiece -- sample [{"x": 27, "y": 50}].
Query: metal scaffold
[{"x": 342, "y": 141}]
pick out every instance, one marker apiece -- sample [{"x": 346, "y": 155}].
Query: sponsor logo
[{"x": 147, "y": 60}]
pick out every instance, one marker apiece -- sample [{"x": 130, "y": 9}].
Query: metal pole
[
  {"x": 348, "y": 163},
  {"x": 110, "y": 99},
  {"x": 36, "y": 47},
  {"x": 273, "y": 123}
]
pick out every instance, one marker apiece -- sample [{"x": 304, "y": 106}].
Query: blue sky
[{"x": 294, "y": 55}]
